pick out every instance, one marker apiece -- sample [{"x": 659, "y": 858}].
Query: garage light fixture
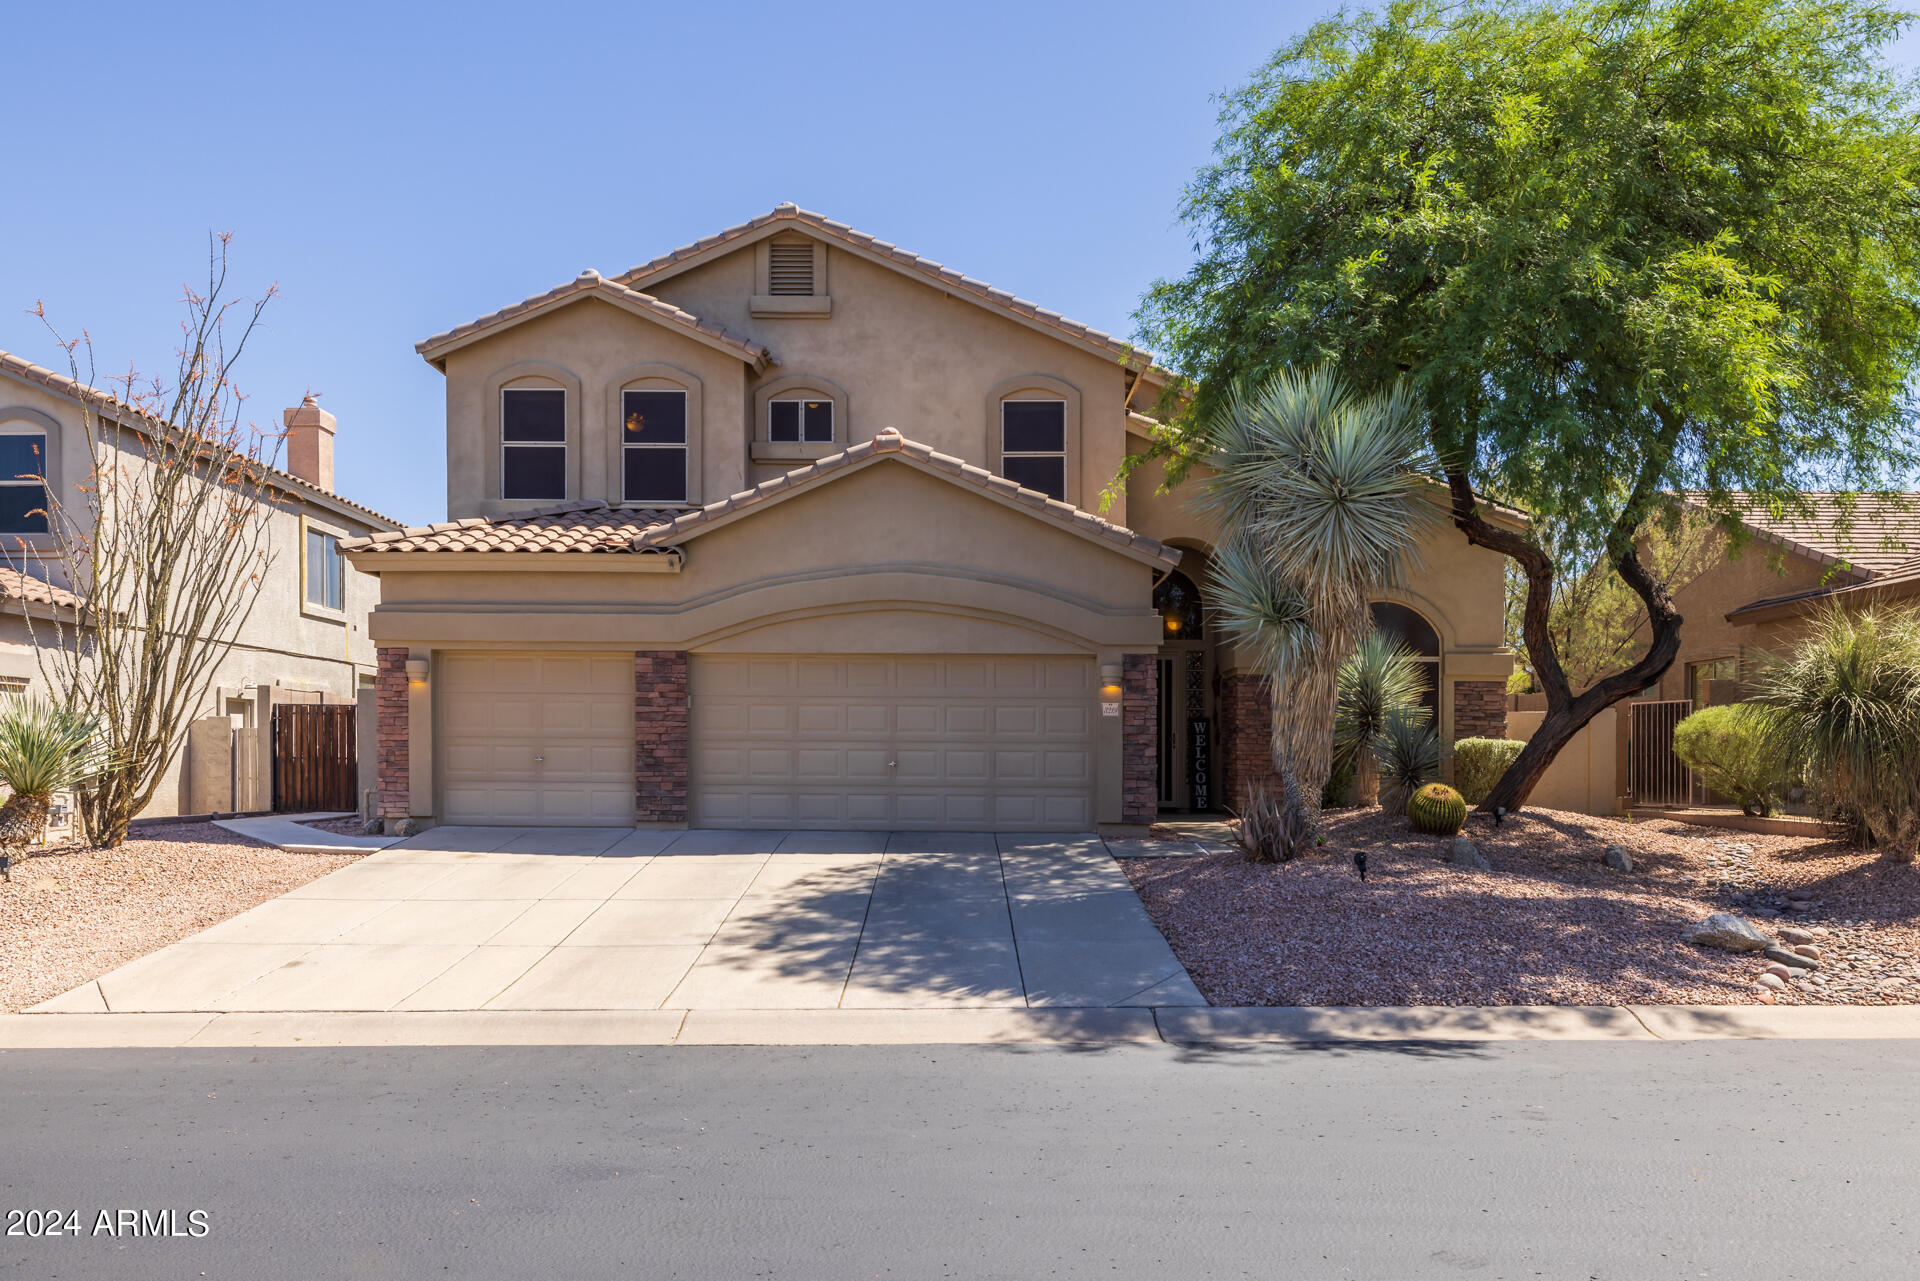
[
  {"x": 417, "y": 671},
  {"x": 1110, "y": 679}
]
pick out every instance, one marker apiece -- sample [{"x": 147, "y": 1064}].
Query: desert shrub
[
  {"x": 1438, "y": 809},
  {"x": 1338, "y": 792},
  {"x": 1275, "y": 829},
  {"x": 1734, "y": 751},
  {"x": 1380, "y": 677},
  {"x": 1478, "y": 764},
  {"x": 1407, "y": 754},
  {"x": 1846, "y": 711}
]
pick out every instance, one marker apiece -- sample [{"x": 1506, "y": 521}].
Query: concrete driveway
[{"x": 621, "y": 919}]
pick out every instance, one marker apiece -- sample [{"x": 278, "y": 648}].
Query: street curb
[{"x": 1184, "y": 1026}]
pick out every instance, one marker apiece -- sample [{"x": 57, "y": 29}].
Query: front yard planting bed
[
  {"x": 1549, "y": 925},
  {"x": 72, "y": 913}
]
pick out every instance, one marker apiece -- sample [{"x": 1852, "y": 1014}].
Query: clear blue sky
[{"x": 400, "y": 168}]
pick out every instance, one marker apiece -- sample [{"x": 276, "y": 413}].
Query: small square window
[
  {"x": 656, "y": 475},
  {"x": 1048, "y": 475},
  {"x": 326, "y": 572},
  {"x": 792, "y": 421}
]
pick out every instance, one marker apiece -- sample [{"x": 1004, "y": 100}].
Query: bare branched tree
[{"x": 165, "y": 541}]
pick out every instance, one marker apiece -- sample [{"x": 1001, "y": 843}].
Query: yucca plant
[
  {"x": 1407, "y": 753},
  {"x": 1381, "y": 676},
  {"x": 43, "y": 749},
  {"x": 1845, "y": 707},
  {"x": 1320, "y": 492}
]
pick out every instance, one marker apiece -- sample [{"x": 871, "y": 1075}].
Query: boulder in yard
[
  {"x": 1618, "y": 858},
  {"x": 1727, "y": 932},
  {"x": 1464, "y": 853}
]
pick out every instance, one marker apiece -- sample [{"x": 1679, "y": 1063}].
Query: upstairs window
[
  {"x": 326, "y": 572},
  {"x": 533, "y": 443},
  {"x": 1033, "y": 445},
  {"x": 23, "y": 481},
  {"x": 800, "y": 420},
  {"x": 653, "y": 446},
  {"x": 790, "y": 268}
]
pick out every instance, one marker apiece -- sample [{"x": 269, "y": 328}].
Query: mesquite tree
[
  {"x": 1620, "y": 248},
  {"x": 165, "y": 540}
]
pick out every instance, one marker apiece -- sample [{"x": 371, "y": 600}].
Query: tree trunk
[
  {"x": 1366, "y": 778},
  {"x": 1566, "y": 714}
]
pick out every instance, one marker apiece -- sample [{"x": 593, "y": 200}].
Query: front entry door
[{"x": 1187, "y": 750}]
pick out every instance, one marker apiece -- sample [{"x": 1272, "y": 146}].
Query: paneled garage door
[
  {"x": 893, "y": 742},
  {"x": 535, "y": 738}
]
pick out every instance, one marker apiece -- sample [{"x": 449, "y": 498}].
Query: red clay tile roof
[
  {"x": 591, "y": 281},
  {"x": 112, "y": 405},
  {"x": 1870, "y": 534},
  {"x": 602, "y": 527},
  {"x": 15, "y": 585},
  {"x": 566, "y": 527},
  {"x": 946, "y": 277}
]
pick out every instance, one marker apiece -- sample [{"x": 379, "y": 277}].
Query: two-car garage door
[
  {"x": 828, "y": 741},
  {"x": 889, "y": 741}
]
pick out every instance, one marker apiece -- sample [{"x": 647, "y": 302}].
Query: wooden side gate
[
  {"x": 315, "y": 758},
  {"x": 1655, "y": 775}
]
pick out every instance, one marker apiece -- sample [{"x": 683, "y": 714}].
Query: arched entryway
[
  {"x": 1410, "y": 627},
  {"x": 1188, "y": 754}
]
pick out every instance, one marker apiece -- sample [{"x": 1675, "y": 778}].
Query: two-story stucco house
[
  {"x": 306, "y": 638},
  {"x": 793, "y": 528}
]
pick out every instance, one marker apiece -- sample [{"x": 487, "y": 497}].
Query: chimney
[{"x": 310, "y": 443}]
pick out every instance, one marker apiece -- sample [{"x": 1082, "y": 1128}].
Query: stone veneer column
[
  {"x": 1245, "y": 738},
  {"x": 393, "y": 794},
  {"x": 660, "y": 736},
  {"x": 1140, "y": 739},
  {"x": 1479, "y": 709}
]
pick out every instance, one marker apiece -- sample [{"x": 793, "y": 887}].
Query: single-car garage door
[
  {"x": 536, "y": 738},
  {"x": 892, "y": 742}
]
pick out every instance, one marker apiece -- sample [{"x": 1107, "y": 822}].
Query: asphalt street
[{"x": 1780, "y": 1159}]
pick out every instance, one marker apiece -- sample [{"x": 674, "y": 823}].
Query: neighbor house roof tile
[
  {"x": 1872, "y": 534},
  {"x": 15, "y": 585}
]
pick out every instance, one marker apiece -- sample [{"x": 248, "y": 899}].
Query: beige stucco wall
[
  {"x": 591, "y": 349},
  {"x": 1583, "y": 777},
  {"x": 1757, "y": 573},
  {"x": 284, "y": 640}
]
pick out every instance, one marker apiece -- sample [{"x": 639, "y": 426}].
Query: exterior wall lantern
[
  {"x": 416, "y": 671},
  {"x": 1110, "y": 680}
]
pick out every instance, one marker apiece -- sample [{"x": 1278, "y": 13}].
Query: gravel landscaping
[
  {"x": 72, "y": 913},
  {"x": 1550, "y": 924}
]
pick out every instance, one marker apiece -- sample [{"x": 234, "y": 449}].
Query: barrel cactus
[{"x": 1437, "y": 808}]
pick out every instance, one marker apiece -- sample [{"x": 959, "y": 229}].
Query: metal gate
[
  {"x": 315, "y": 758},
  {"x": 1654, "y": 774}
]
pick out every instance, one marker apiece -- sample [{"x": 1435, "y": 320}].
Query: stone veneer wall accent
[
  {"x": 1140, "y": 739},
  {"x": 1479, "y": 709},
  {"x": 1245, "y": 738},
  {"x": 393, "y": 794},
  {"x": 660, "y": 736}
]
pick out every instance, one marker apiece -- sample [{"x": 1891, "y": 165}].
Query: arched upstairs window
[
  {"x": 1410, "y": 627},
  {"x": 1178, "y": 602},
  {"x": 23, "y": 477}
]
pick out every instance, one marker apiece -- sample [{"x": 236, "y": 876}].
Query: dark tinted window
[
  {"x": 1033, "y": 426},
  {"x": 23, "y": 509},
  {"x": 1407, "y": 626},
  {"x": 533, "y": 415},
  {"x": 654, "y": 417},
  {"x": 819, "y": 419},
  {"x": 1048, "y": 475},
  {"x": 22, "y": 454},
  {"x": 656, "y": 475},
  {"x": 783, "y": 421},
  {"x": 534, "y": 471}
]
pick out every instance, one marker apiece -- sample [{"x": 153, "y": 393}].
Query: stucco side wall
[
  {"x": 884, "y": 560},
  {"x": 1731, "y": 582},
  {"x": 912, "y": 357},
  {"x": 590, "y": 349}
]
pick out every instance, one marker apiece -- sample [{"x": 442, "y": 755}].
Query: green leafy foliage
[
  {"x": 1734, "y": 751},
  {"x": 1407, "y": 753},
  {"x": 1479, "y": 762},
  {"x": 1845, "y": 713},
  {"x": 1437, "y": 809},
  {"x": 45, "y": 749}
]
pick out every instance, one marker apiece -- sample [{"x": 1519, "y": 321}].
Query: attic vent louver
[{"x": 790, "y": 267}]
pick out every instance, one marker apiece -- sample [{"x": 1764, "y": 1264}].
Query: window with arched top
[
  {"x": 23, "y": 477},
  {"x": 1411, "y": 628},
  {"x": 1178, "y": 602}
]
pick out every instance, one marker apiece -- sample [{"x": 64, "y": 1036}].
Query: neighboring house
[
  {"x": 1847, "y": 551},
  {"x": 793, "y": 528},
  {"x": 306, "y": 639}
]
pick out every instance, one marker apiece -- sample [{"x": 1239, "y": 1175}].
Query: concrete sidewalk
[
  {"x": 1432, "y": 1025},
  {"x": 290, "y": 832}
]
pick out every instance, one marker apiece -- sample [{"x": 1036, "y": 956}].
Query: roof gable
[
  {"x": 591, "y": 284},
  {"x": 790, "y": 217}
]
